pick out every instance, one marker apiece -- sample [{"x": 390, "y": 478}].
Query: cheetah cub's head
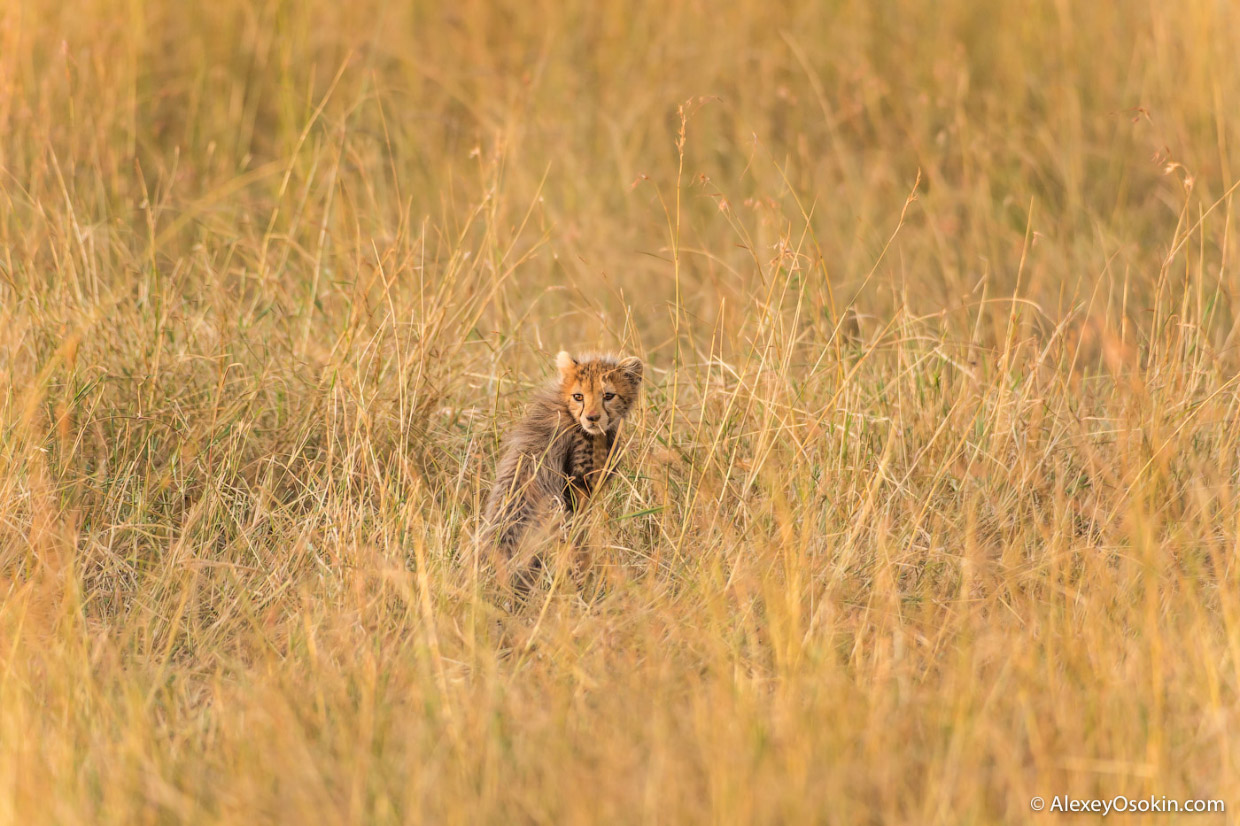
[{"x": 599, "y": 391}]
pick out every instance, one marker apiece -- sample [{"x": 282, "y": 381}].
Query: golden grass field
[{"x": 931, "y": 506}]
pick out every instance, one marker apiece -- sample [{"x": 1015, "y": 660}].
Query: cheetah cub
[{"x": 556, "y": 458}]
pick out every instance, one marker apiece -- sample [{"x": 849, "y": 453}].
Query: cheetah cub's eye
[
  {"x": 608, "y": 396},
  {"x": 578, "y": 397}
]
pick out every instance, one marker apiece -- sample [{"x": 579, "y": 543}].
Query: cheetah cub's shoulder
[{"x": 556, "y": 457}]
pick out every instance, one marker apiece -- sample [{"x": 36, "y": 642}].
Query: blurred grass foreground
[{"x": 931, "y": 505}]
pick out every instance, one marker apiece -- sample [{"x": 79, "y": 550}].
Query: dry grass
[{"x": 932, "y": 505}]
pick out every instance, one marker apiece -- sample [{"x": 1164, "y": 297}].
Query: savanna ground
[{"x": 932, "y": 504}]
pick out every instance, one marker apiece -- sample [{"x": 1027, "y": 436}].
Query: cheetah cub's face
[{"x": 599, "y": 391}]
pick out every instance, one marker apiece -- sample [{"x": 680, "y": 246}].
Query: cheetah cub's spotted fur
[{"x": 556, "y": 458}]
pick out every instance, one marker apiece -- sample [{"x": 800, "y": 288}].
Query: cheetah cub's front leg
[{"x": 588, "y": 472}]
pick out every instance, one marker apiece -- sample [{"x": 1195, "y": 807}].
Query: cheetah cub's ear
[
  {"x": 567, "y": 365},
  {"x": 632, "y": 366}
]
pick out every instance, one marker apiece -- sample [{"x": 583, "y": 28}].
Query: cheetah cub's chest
[{"x": 585, "y": 465}]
